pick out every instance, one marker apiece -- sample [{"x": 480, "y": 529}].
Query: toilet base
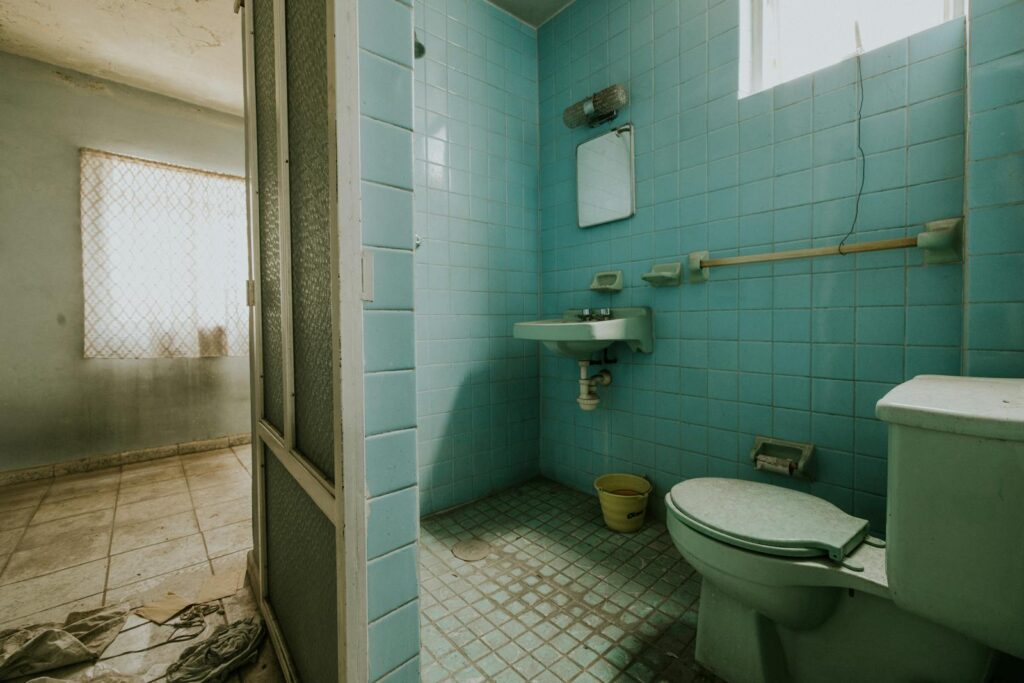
[{"x": 867, "y": 638}]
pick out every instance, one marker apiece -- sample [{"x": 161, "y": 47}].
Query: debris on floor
[
  {"x": 204, "y": 642},
  {"x": 560, "y": 597},
  {"x": 215, "y": 587},
  {"x": 37, "y": 648},
  {"x": 226, "y": 649},
  {"x": 163, "y": 610}
]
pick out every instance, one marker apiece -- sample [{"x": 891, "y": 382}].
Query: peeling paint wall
[{"x": 54, "y": 404}]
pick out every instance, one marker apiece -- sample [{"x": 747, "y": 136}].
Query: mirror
[{"x": 604, "y": 178}]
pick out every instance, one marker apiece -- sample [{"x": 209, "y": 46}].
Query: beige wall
[{"x": 54, "y": 404}]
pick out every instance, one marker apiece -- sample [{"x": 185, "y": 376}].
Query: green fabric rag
[
  {"x": 43, "y": 647},
  {"x": 213, "y": 660}
]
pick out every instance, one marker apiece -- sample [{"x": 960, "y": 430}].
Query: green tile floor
[{"x": 559, "y": 598}]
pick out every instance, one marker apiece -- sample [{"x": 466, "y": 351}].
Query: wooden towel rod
[{"x": 941, "y": 241}]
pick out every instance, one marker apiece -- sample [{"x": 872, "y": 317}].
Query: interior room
[
  {"x": 540, "y": 340},
  {"x": 124, "y": 385}
]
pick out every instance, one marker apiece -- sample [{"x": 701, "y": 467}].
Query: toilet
[{"x": 795, "y": 589}]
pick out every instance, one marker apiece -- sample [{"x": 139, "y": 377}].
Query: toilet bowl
[
  {"x": 772, "y": 615},
  {"x": 794, "y": 589}
]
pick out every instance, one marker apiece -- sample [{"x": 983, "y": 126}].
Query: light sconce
[{"x": 601, "y": 107}]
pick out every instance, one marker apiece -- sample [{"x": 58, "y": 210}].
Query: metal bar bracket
[
  {"x": 942, "y": 241},
  {"x": 697, "y": 272}
]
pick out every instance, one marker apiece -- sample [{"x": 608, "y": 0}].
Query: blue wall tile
[
  {"x": 477, "y": 271},
  {"x": 390, "y": 462},
  {"x": 390, "y": 401},
  {"x": 391, "y": 522},
  {"x": 391, "y": 581},
  {"x": 389, "y": 636}
]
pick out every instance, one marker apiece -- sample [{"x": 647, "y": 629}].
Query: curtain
[{"x": 164, "y": 261}]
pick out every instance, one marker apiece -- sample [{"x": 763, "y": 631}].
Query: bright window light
[
  {"x": 164, "y": 261},
  {"x": 784, "y": 39}
]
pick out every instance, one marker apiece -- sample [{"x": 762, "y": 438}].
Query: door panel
[
  {"x": 266, "y": 205},
  {"x": 299, "y": 550},
  {"x": 301, "y": 582},
  {"x": 310, "y": 182}
]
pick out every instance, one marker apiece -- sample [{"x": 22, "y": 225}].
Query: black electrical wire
[{"x": 860, "y": 151}]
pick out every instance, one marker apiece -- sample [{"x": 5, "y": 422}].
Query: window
[
  {"x": 164, "y": 260},
  {"x": 784, "y": 39}
]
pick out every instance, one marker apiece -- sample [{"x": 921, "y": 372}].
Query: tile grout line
[
  {"x": 113, "y": 525},
  {"x": 195, "y": 517},
  {"x": 24, "y": 530}
]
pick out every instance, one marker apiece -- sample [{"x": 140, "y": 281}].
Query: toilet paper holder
[{"x": 779, "y": 456}]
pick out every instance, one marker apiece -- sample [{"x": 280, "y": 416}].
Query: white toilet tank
[{"x": 955, "y": 522}]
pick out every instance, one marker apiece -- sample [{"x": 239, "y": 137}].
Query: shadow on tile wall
[{"x": 476, "y": 272}]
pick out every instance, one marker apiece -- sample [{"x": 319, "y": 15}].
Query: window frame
[{"x": 756, "y": 44}]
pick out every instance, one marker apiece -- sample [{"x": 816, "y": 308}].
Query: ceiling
[
  {"x": 187, "y": 49},
  {"x": 534, "y": 12}
]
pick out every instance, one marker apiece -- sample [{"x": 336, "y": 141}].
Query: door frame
[{"x": 344, "y": 507}]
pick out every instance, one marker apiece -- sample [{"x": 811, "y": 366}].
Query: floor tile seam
[
  {"x": 54, "y": 571},
  {"x": 21, "y": 618},
  {"x": 221, "y": 526},
  {"x": 195, "y": 518},
  {"x": 158, "y": 576},
  {"x": 112, "y": 554},
  {"x": 24, "y": 530},
  {"x": 244, "y": 465},
  {"x": 198, "y": 490},
  {"x": 220, "y": 502},
  {"x": 130, "y": 486},
  {"x": 110, "y": 544},
  {"x": 75, "y": 514},
  {"x": 57, "y": 571},
  {"x": 221, "y": 469}
]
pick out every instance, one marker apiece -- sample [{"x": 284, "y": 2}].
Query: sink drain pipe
[{"x": 588, "y": 398}]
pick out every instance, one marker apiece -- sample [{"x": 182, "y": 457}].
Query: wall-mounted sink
[{"x": 580, "y": 333}]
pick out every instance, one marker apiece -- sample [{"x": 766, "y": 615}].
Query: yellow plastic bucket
[{"x": 623, "y": 500}]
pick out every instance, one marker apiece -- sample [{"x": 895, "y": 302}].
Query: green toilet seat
[{"x": 766, "y": 519}]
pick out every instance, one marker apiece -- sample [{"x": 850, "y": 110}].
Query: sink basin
[{"x": 580, "y": 339}]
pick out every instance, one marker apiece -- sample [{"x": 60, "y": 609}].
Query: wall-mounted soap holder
[
  {"x": 664, "y": 275},
  {"x": 609, "y": 281},
  {"x": 778, "y": 456}
]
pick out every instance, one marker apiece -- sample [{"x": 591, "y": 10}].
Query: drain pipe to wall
[{"x": 588, "y": 398}]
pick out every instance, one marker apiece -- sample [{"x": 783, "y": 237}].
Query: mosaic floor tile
[{"x": 559, "y": 598}]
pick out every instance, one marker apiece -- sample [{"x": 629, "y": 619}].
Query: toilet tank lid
[
  {"x": 973, "y": 406},
  {"x": 764, "y": 518}
]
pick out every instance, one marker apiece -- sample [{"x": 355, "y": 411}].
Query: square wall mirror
[{"x": 604, "y": 178}]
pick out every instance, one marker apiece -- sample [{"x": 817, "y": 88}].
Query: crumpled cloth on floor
[
  {"x": 102, "y": 677},
  {"x": 42, "y": 647},
  {"x": 225, "y": 650}
]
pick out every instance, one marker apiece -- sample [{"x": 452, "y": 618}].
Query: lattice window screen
[{"x": 163, "y": 260}]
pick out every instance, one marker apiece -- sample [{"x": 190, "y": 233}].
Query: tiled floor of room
[
  {"x": 559, "y": 598},
  {"x": 123, "y": 535},
  {"x": 91, "y": 539}
]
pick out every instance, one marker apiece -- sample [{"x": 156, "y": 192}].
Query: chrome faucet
[{"x": 589, "y": 314}]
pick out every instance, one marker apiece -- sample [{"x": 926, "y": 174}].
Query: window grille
[{"x": 164, "y": 261}]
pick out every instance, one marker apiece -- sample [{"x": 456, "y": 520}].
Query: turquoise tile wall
[
  {"x": 995, "y": 293},
  {"x": 476, "y": 166},
  {"x": 799, "y": 350},
  {"x": 386, "y": 149}
]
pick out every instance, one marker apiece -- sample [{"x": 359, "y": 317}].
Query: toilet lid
[{"x": 765, "y": 518}]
